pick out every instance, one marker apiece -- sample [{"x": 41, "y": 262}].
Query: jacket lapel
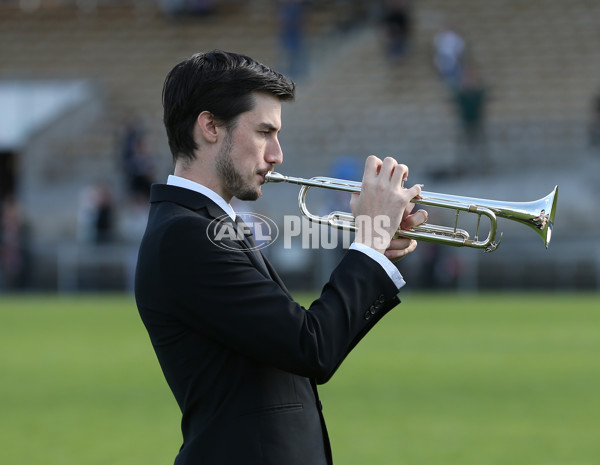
[{"x": 200, "y": 204}]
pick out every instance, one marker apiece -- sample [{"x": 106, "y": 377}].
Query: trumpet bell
[{"x": 538, "y": 215}]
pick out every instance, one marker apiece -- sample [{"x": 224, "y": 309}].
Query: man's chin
[{"x": 250, "y": 195}]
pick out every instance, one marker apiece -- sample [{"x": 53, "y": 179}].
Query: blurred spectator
[
  {"x": 397, "y": 27},
  {"x": 137, "y": 159},
  {"x": 352, "y": 14},
  {"x": 449, "y": 49},
  {"x": 430, "y": 269},
  {"x": 441, "y": 268},
  {"x": 14, "y": 246},
  {"x": 595, "y": 123},
  {"x": 470, "y": 101},
  {"x": 292, "y": 17},
  {"x": 96, "y": 215},
  {"x": 171, "y": 7},
  {"x": 187, "y": 7},
  {"x": 133, "y": 219},
  {"x": 348, "y": 168}
]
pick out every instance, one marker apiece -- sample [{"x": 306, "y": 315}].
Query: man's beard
[{"x": 233, "y": 179}]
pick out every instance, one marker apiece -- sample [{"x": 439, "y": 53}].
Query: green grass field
[{"x": 444, "y": 379}]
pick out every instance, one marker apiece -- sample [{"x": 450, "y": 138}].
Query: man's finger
[{"x": 415, "y": 219}]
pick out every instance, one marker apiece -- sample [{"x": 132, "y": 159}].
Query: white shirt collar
[{"x": 194, "y": 186}]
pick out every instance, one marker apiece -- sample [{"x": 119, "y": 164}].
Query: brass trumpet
[{"x": 537, "y": 214}]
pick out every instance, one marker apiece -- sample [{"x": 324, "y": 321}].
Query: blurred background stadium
[{"x": 81, "y": 136}]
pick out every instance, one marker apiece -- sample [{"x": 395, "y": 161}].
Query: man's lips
[{"x": 262, "y": 175}]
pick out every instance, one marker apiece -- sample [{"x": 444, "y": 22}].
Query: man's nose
[{"x": 274, "y": 153}]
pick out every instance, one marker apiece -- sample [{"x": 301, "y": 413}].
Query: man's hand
[
  {"x": 382, "y": 205},
  {"x": 402, "y": 246}
]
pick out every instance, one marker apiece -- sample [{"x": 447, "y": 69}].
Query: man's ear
[{"x": 206, "y": 127}]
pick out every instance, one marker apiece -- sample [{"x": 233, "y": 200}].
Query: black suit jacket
[{"x": 241, "y": 357}]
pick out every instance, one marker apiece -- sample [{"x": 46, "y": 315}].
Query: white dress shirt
[{"x": 387, "y": 265}]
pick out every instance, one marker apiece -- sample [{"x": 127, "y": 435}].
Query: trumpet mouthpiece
[{"x": 272, "y": 176}]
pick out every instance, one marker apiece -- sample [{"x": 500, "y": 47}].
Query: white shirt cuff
[{"x": 385, "y": 263}]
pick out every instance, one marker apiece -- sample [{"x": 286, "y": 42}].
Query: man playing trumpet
[{"x": 242, "y": 359}]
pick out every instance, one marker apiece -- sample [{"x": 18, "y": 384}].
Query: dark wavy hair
[{"x": 219, "y": 82}]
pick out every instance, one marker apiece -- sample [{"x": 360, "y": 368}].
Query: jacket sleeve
[{"x": 218, "y": 293}]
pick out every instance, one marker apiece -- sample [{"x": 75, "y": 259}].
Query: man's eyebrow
[{"x": 268, "y": 126}]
